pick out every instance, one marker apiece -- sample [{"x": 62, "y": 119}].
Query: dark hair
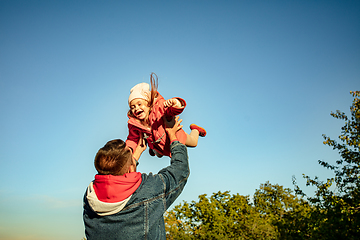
[
  {"x": 153, "y": 92},
  {"x": 114, "y": 158}
]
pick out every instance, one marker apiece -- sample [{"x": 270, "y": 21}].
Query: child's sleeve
[
  {"x": 133, "y": 137},
  {"x": 173, "y": 111}
]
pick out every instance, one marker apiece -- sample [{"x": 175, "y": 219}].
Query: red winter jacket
[{"x": 156, "y": 136}]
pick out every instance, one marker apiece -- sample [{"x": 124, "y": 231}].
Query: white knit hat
[{"x": 141, "y": 90}]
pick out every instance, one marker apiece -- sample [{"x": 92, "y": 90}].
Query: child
[{"x": 147, "y": 109}]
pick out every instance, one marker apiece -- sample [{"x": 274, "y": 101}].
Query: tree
[
  {"x": 286, "y": 211},
  {"x": 221, "y": 216},
  {"x": 337, "y": 209},
  {"x": 276, "y": 213}
]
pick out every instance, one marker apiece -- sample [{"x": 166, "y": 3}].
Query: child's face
[{"x": 139, "y": 108}]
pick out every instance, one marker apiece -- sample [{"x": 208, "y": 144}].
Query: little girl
[{"x": 147, "y": 109}]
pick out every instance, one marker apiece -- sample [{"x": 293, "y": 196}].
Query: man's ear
[{"x": 132, "y": 167}]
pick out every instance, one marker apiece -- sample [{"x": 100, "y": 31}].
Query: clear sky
[{"x": 261, "y": 76}]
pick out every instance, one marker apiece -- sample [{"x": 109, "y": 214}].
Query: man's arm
[
  {"x": 140, "y": 148},
  {"x": 175, "y": 175},
  {"x": 133, "y": 137}
]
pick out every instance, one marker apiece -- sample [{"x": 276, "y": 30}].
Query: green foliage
[
  {"x": 273, "y": 215},
  {"x": 337, "y": 213},
  {"x": 221, "y": 216},
  {"x": 333, "y": 212},
  {"x": 287, "y": 212}
]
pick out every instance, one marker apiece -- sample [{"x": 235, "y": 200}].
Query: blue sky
[{"x": 261, "y": 76}]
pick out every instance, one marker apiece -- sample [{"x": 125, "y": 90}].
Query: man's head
[{"x": 114, "y": 158}]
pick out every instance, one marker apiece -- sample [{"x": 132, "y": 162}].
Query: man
[{"x": 124, "y": 204}]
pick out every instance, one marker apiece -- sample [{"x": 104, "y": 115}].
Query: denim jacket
[{"x": 141, "y": 215}]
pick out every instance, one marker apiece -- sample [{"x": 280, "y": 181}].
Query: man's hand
[
  {"x": 171, "y": 127},
  {"x": 140, "y": 148}
]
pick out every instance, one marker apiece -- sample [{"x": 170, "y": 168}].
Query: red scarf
[{"x": 111, "y": 189}]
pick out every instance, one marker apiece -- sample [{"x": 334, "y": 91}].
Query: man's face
[{"x": 139, "y": 108}]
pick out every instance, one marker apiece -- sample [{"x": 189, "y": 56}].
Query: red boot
[{"x": 202, "y": 131}]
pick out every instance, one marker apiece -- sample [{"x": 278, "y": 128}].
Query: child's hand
[{"x": 172, "y": 102}]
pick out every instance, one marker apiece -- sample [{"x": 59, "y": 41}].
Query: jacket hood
[
  {"x": 109, "y": 188},
  {"x": 103, "y": 208},
  {"x": 108, "y": 194}
]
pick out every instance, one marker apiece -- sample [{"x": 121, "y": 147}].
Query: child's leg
[
  {"x": 153, "y": 152},
  {"x": 192, "y": 138},
  {"x": 159, "y": 155}
]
